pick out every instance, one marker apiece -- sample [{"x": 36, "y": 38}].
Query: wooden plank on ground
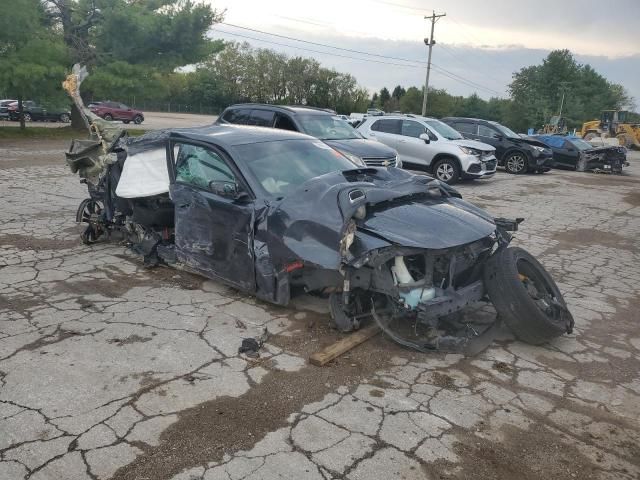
[{"x": 343, "y": 345}]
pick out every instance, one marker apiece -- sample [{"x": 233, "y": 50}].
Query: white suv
[{"x": 424, "y": 142}]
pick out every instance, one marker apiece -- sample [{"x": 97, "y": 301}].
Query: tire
[
  {"x": 516, "y": 163},
  {"x": 27, "y": 117},
  {"x": 64, "y": 118},
  {"x": 108, "y": 117},
  {"x": 138, "y": 119},
  {"x": 526, "y": 297},
  {"x": 447, "y": 171}
]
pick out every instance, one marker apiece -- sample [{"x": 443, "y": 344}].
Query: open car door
[{"x": 214, "y": 213}]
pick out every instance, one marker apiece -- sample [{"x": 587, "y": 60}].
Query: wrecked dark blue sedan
[{"x": 277, "y": 213}]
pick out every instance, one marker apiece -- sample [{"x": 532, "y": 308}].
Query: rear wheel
[
  {"x": 27, "y": 117},
  {"x": 108, "y": 117},
  {"x": 516, "y": 163},
  {"x": 65, "y": 118},
  {"x": 526, "y": 297},
  {"x": 447, "y": 171}
]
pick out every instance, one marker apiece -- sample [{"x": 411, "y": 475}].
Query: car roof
[
  {"x": 228, "y": 135},
  {"x": 401, "y": 117},
  {"x": 291, "y": 109},
  {"x": 467, "y": 118}
]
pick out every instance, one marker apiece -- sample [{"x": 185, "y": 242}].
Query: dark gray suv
[{"x": 317, "y": 122}]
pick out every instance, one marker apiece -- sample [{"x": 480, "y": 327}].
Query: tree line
[
  {"x": 536, "y": 93},
  {"x": 157, "y": 51}
]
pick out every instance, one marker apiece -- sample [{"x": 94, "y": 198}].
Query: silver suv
[{"x": 424, "y": 142}]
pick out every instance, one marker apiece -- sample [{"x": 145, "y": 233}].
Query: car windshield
[
  {"x": 581, "y": 144},
  {"x": 444, "y": 130},
  {"x": 280, "y": 167},
  {"x": 327, "y": 127},
  {"x": 507, "y": 132}
]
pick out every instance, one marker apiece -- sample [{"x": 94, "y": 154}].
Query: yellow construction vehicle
[{"x": 613, "y": 123}]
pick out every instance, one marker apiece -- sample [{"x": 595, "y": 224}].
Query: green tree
[
  {"x": 140, "y": 39},
  {"x": 384, "y": 97},
  {"x": 32, "y": 56}
]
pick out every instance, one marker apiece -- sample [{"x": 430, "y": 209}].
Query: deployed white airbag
[{"x": 144, "y": 175}]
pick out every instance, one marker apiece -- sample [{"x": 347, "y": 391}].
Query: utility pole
[{"x": 430, "y": 42}]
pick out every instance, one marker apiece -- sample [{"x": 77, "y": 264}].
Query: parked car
[
  {"x": 515, "y": 153},
  {"x": 35, "y": 112},
  {"x": 375, "y": 112},
  {"x": 318, "y": 123},
  {"x": 577, "y": 154},
  {"x": 117, "y": 111},
  {"x": 427, "y": 143},
  {"x": 4, "y": 108},
  {"x": 275, "y": 213}
]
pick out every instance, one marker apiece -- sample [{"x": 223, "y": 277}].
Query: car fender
[{"x": 439, "y": 156}]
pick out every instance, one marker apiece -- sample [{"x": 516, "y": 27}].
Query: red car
[{"x": 117, "y": 111}]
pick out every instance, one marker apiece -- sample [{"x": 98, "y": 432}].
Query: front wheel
[
  {"x": 138, "y": 119},
  {"x": 516, "y": 163},
  {"x": 108, "y": 117},
  {"x": 64, "y": 118},
  {"x": 27, "y": 117},
  {"x": 526, "y": 297},
  {"x": 447, "y": 171}
]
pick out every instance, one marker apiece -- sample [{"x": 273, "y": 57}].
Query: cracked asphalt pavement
[{"x": 109, "y": 370}]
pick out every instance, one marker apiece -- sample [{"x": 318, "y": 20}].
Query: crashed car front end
[{"x": 603, "y": 160}]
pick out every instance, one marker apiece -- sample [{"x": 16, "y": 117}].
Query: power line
[
  {"x": 315, "y": 51},
  {"x": 324, "y": 45},
  {"x": 448, "y": 74},
  {"x": 402, "y": 6}
]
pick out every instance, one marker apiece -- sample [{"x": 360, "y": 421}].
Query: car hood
[
  {"x": 402, "y": 209},
  {"x": 474, "y": 144},
  {"x": 529, "y": 141},
  {"x": 430, "y": 223},
  {"x": 362, "y": 148}
]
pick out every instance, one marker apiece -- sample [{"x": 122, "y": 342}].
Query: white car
[{"x": 427, "y": 143}]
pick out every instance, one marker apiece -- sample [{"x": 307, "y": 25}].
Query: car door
[
  {"x": 214, "y": 213},
  {"x": 385, "y": 130},
  {"x": 566, "y": 155},
  {"x": 493, "y": 137},
  {"x": 411, "y": 148},
  {"x": 36, "y": 111}
]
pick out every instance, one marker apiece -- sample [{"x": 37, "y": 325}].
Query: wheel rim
[
  {"x": 445, "y": 172},
  {"x": 64, "y": 118},
  {"x": 108, "y": 118},
  {"x": 515, "y": 163},
  {"x": 540, "y": 291},
  {"x": 27, "y": 117},
  {"x": 137, "y": 120}
]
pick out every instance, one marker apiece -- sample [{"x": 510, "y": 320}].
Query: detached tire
[{"x": 526, "y": 297}]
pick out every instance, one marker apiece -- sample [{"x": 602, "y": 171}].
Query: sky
[{"x": 479, "y": 44}]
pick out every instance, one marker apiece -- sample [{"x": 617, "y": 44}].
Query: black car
[
  {"x": 34, "y": 112},
  {"x": 317, "y": 122},
  {"x": 577, "y": 154},
  {"x": 515, "y": 153}
]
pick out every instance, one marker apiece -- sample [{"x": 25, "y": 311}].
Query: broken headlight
[{"x": 470, "y": 151}]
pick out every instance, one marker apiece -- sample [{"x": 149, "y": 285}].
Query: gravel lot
[
  {"x": 109, "y": 370},
  {"x": 152, "y": 121}
]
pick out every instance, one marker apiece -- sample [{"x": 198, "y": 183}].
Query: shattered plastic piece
[{"x": 251, "y": 346}]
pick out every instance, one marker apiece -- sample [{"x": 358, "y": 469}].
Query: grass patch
[{"x": 44, "y": 133}]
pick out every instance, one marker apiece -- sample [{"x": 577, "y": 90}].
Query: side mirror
[
  {"x": 497, "y": 136},
  {"x": 425, "y": 137},
  {"x": 226, "y": 189}
]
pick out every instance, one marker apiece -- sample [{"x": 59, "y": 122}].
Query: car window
[
  {"x": 412, "y": 129},
  {"x": 261, "y": 118},
  {"x": 485, "y": 131},
  {"x": 466, "y": 127},
  {"x": 507, "y": 132},
  {"x": 237, "y": 115},
  {"x": 280, "y": 167},
  {"x": 123, "y": 106},
  {"x": 387, "y": 126},
  {"x": 443, "y": 130},
  {"x": 284, "y": 123},
  {"x": 327, "y": 127},
  {"x": 202, "y": 168}
]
